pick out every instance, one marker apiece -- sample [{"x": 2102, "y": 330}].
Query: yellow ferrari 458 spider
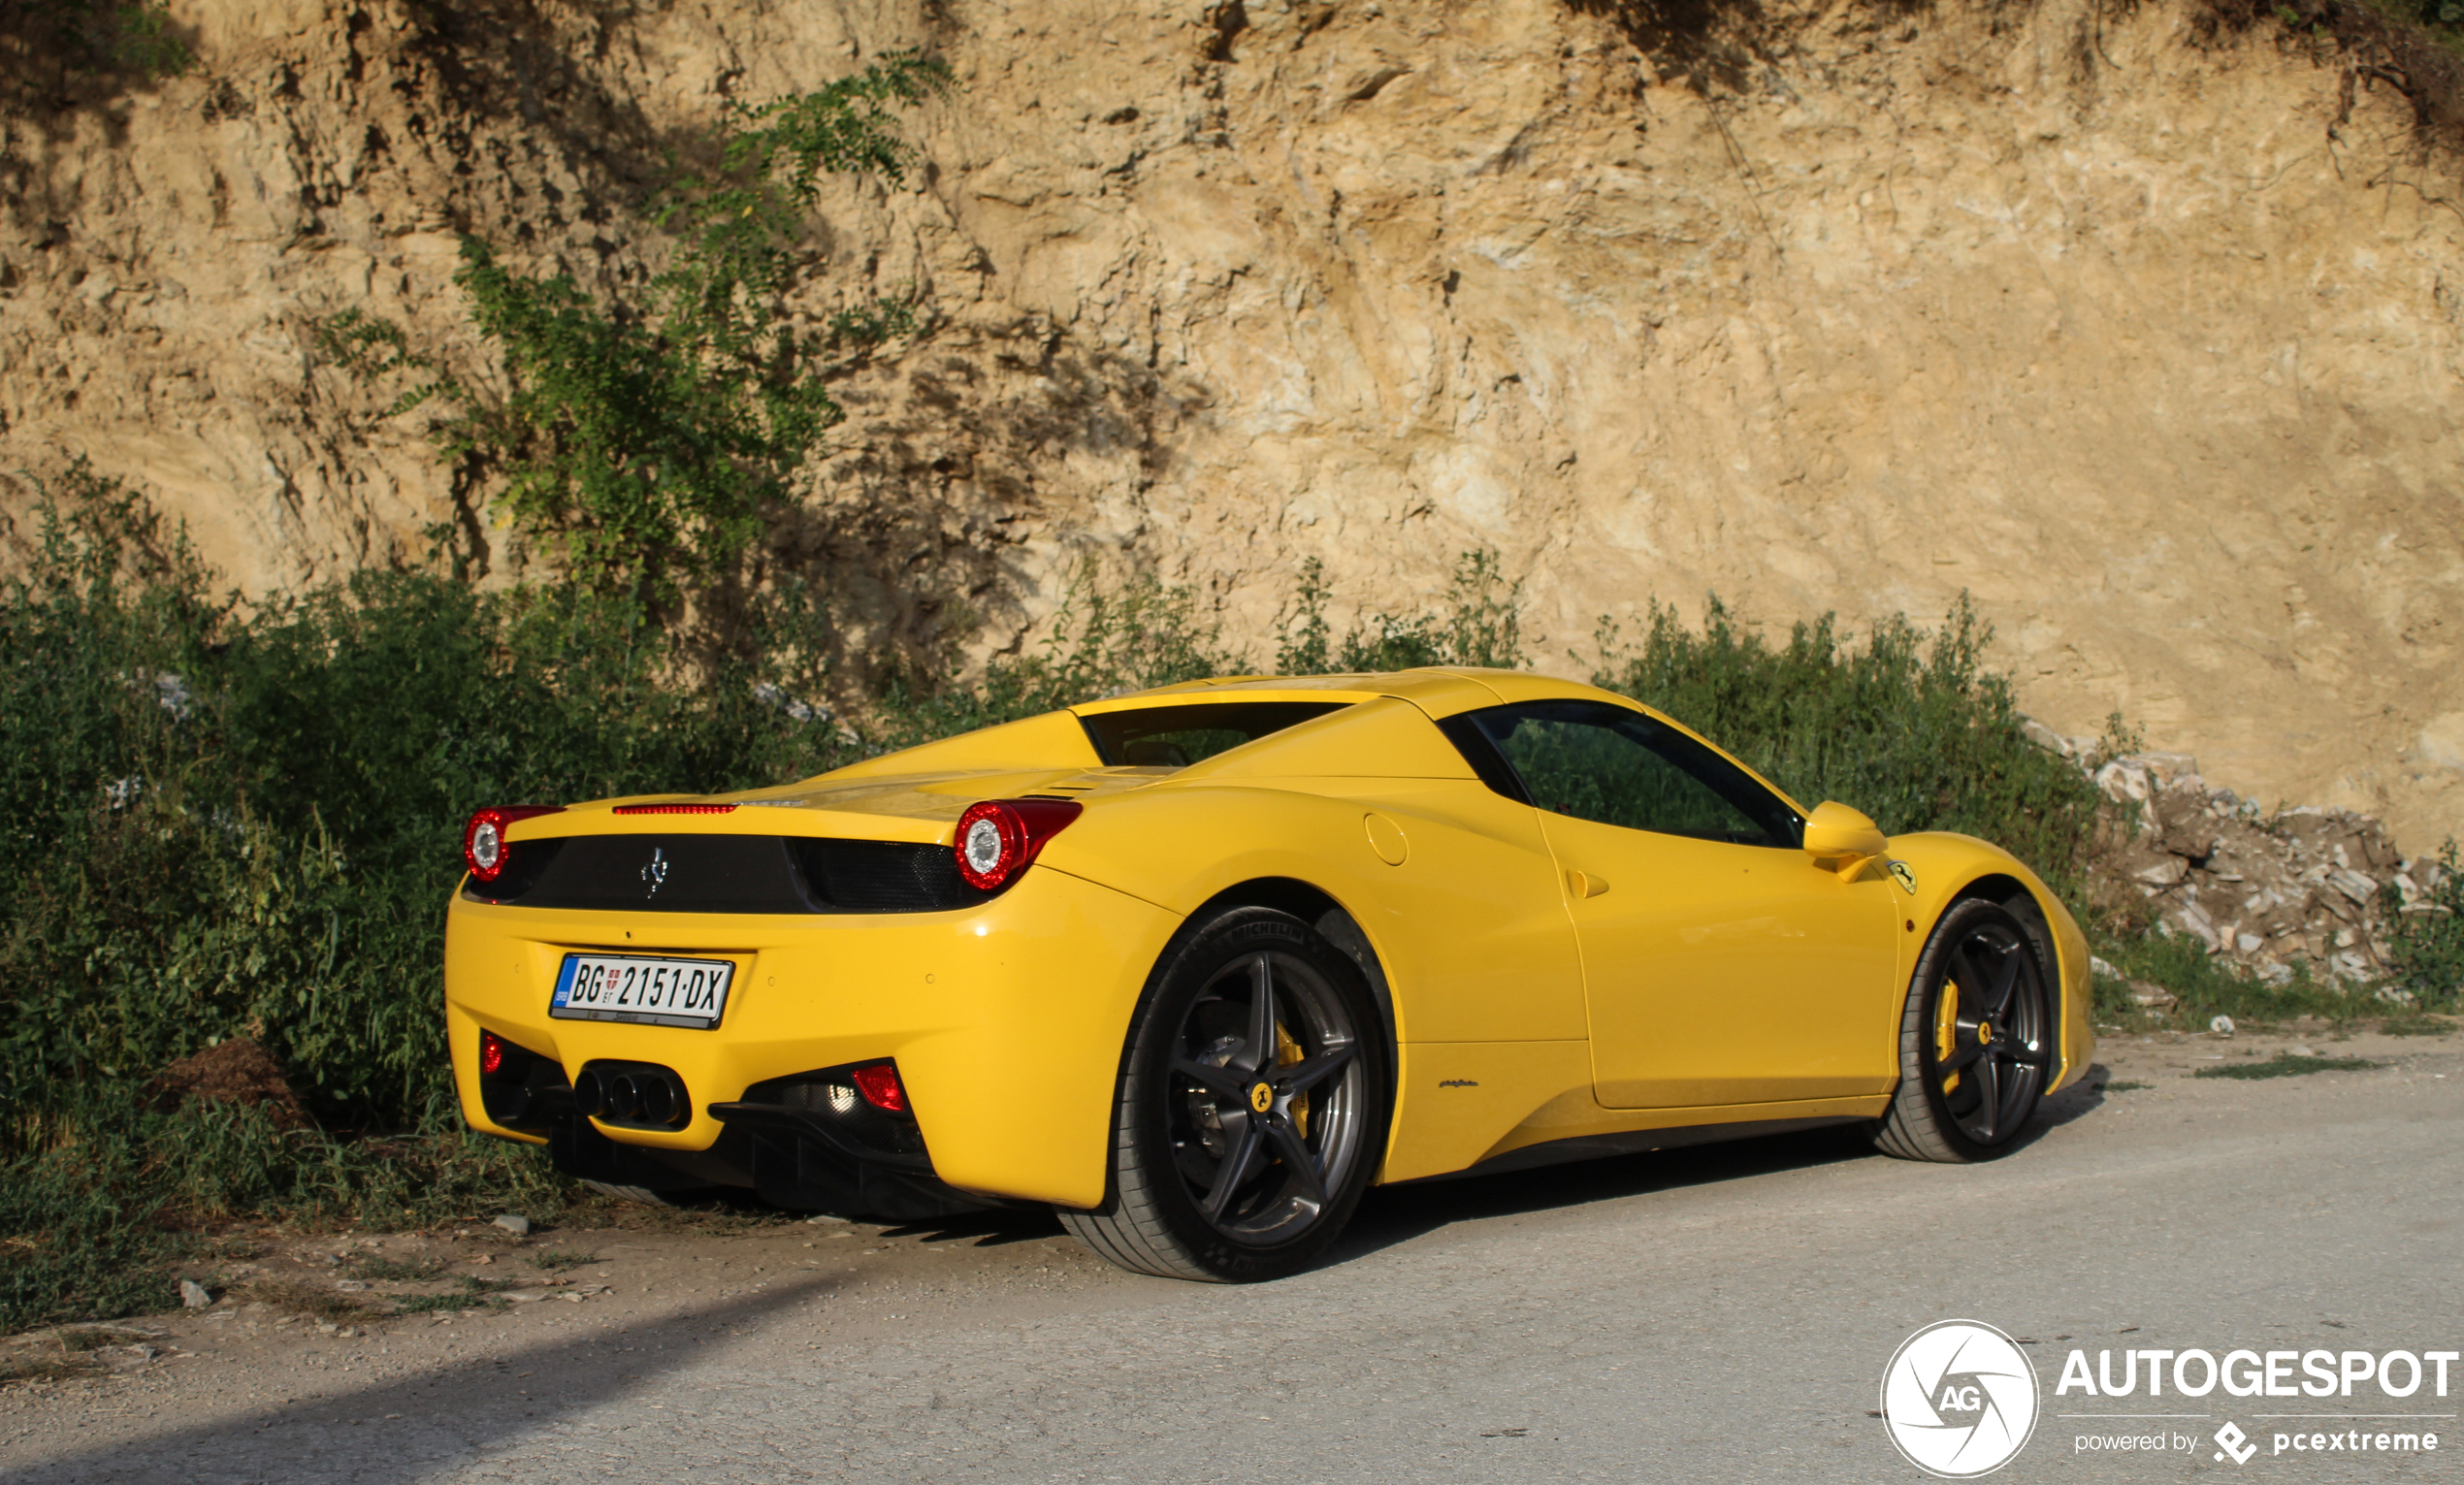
[{"x": 1195, "y": 967}]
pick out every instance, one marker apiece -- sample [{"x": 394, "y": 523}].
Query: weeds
[
  {"x": 2426, "y": 942},
  {"x": 381, "y": 1270},
  {"x": 299, "y": 1297},
  {"x": 2415, "y": 1026},
  {"x": 2205, "y": 987},
  {"x": 557, "y": 1261},
  {"x": 42, "y": 1368},
  {"x": 446, "y": 1303},
  {"x": 2287, "y": 1064},
  {"x": 2124, "y": 1086}
]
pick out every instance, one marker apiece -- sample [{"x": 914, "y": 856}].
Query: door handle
[{"x": 1583, "y": 883}]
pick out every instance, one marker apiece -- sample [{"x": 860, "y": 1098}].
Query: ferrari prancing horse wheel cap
[{"x": 1261, "y": 1097}]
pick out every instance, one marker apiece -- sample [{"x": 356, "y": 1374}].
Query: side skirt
[{"x": 1636, "y": 1142}]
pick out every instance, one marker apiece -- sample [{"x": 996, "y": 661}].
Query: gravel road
[{"x": 1723, "y": 1313}]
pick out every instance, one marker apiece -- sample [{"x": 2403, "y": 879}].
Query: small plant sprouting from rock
[
  {"x": 653, "y": 437},
  {"x": 2425, "y": 947}
]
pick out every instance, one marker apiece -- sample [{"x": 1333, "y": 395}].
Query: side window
[{"x": 1605, "y": 763}]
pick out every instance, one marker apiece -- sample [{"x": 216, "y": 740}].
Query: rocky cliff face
[{"x": 2145, "y": 335}]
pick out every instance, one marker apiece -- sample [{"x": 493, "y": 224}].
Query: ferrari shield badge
[{"x": 1901, "y": 873}]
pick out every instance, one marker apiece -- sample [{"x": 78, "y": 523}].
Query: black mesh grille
[
  {"x": 884, "y": 876},
  {"x": 729, "y": 874}
]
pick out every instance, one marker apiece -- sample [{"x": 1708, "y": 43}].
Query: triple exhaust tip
[{"x": 633, "y": 1095}]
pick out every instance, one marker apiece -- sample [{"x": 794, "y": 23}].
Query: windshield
[{"x": 1176, "y": 736}]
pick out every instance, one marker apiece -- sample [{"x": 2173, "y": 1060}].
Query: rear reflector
[
  {"x": 880, "y": 1086},
  {"x": 491, "y": 1053}
]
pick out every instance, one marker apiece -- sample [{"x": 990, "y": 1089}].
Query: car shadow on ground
[
  {"x": 1392, "y": 1215},
  {"x": 436, "y": 1418}
]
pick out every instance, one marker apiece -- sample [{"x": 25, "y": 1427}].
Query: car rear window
[{"x": 1176, "y": 736}]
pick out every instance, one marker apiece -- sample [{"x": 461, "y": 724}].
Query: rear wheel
[
  {"x": 1975, "y": 1043},
  {"x": 1251, "y": 1111}
]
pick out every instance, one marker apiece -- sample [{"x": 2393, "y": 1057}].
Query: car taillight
[
  {"x": 484, "y": 848},
  {"x": 880, "y": 1086},
  {"x": 998, "y": 837},
  {"x": 674, "y": 807},
  {"x": 491, "y": 1053}
]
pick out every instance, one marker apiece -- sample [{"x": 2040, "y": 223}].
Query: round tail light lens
[
  {"x": 484, "y": 849},
  {"x": 998, "y": 838},
  {"x": 881, "y": 1087}
]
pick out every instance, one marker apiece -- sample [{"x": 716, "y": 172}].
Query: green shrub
[
  {"x": 650, "y": 437},
  {"x": 1909, "y": 728},
  {"x": 2426, "y": 946}
]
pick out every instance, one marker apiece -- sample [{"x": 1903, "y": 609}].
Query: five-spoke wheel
[
  {"x": 1975, "y": 1043},
  {"x": 1252, "y": 1105}
]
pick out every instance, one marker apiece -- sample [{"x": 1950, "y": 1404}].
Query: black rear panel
[{"x": 729, "y": 874}]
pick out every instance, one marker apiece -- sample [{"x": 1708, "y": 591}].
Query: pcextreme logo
[{"x": 1959, "y": 1399}]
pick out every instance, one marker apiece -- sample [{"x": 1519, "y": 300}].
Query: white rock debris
[{"x": 2265, "y": 890}]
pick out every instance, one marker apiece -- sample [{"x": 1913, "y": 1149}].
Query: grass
[
  {"x": 446, "y": 1303},
  {"x": 2124, "y": 1086},
  {"x": 369, "y": 1266},
  {"x": 2206, "y": 987},
  {"x": 2415, "y": 1026},
  {"x": 557, "y": 1261},
  {"x": 301, "y": 1297},
  {"x": 42, "y": 1368},
  {"x": 2285, "y": 1064}
]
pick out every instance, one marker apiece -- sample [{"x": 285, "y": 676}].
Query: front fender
[{"x": 1941, "y": 868}]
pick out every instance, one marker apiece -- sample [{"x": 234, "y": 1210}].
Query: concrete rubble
[{"x": 2264, "y": 889}]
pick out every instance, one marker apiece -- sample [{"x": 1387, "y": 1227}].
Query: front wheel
[
  {"x": 1253, "y": 1107},
  {"x": 1975, "y": 1043}
]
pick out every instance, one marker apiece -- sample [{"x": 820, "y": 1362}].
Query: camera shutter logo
[{"x": 1959, "y": 1399}]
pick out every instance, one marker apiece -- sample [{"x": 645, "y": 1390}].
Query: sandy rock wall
[{"x": 2146, "y": 338}]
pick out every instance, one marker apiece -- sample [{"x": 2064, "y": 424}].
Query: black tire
[
  {"x": 1975, "y": 1040},
  {"x": 1253, "y": 1107}
]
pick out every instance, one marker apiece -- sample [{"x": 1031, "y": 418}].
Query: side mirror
[{"x": 1837, "y": 834}]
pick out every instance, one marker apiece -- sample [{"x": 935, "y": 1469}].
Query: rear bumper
[{"x": 1006, "y": 1019}]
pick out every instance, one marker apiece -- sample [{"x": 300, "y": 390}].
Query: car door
[{"x": 1720, "y": 964}]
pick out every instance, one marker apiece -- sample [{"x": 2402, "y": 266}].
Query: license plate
[{"x": 690, "y": 993}]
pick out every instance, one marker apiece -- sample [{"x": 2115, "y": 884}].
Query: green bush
[
  {"x": 1909, "y": 728},
  {"x": 2426, "y": 946},
  {"x": 650, "y": 437}
]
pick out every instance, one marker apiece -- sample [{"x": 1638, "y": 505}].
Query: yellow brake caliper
[
  {"x": 1286, "y": 1052},
  {"x": 1946, "y": 1029}
]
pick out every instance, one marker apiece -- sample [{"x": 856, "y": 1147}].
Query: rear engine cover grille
[{"x": 658, "y": 873}]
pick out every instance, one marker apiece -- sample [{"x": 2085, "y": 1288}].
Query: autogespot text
[{"x": 2385, "y": 1378}]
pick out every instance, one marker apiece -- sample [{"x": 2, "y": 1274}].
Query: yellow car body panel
[
  {"x": 1014, "y": 1091},
  {"x": 1517, "y": 950}
]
